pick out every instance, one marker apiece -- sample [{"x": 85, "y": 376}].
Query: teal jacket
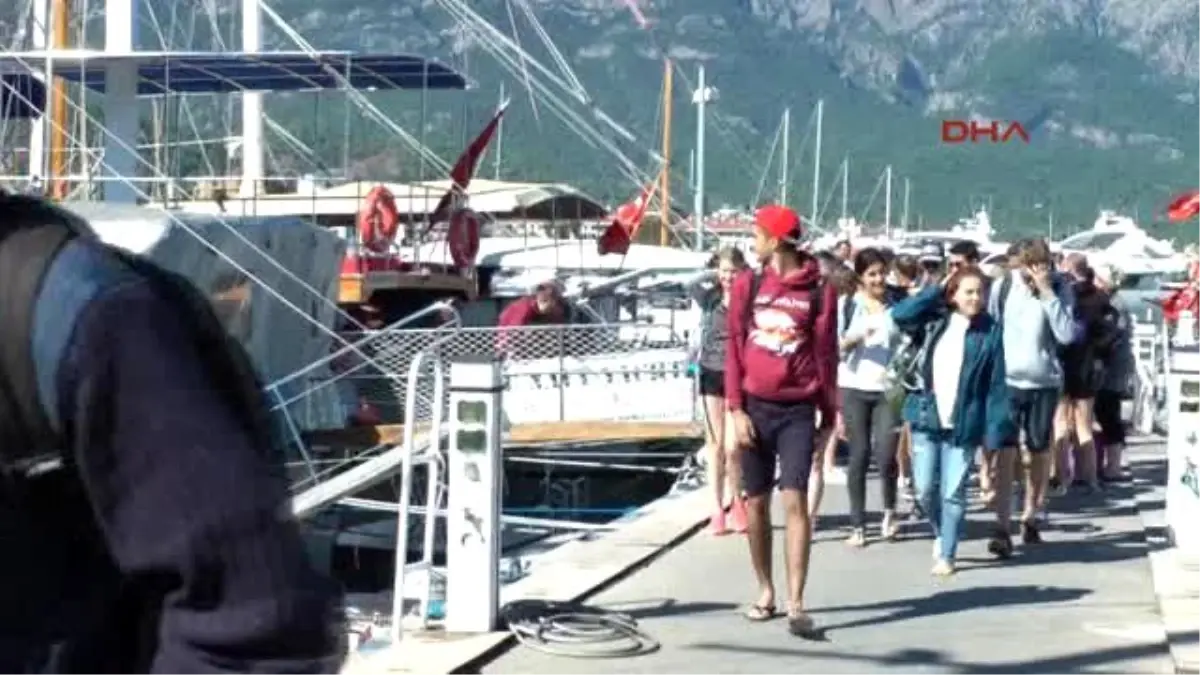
[{"x": 982, "y": 415}]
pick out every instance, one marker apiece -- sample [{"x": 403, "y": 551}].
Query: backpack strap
[
  {"x": 848, "y": 307},
  {"x": 1002, "y": 300},
  {"x": 28, "y": 437},
  {"x": 748, "y": 312}
]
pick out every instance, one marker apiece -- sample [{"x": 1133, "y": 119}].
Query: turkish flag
[
  {"x": 1185, "y": 207},
  {"x": 464, "y": 170},
  {"x": 625, "y": 224}
]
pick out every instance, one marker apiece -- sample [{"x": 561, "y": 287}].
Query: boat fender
[
  {"x": 378, "y": 220},
  {"x": 463, "y": 237}
]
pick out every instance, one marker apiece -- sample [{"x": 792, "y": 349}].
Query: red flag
[
  {"x": 1185, "y": 207},
  {"x": 627, "y": 220},
  {"x": 464, "y": 170}
]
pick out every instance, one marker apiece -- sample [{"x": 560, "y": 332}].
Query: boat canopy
[
  {"x": 227, "y": 72},
  {"x": 279, "y": 340}
]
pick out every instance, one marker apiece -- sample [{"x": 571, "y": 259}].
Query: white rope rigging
[
  {"x": 371, "y": 111},
  {"x": 510, "y": 56},
  {"x": 573, "y": 119},
  {"x": 195, "y": 234},
  {"x": 512, "y": 22},
  {"x": 563, "y": 65}
]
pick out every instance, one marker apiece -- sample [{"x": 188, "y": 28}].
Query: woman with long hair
[
  {"x": 724, "y": 473},
  {"x": 958, "y": 398},
  {"x": 1083, "y": 364},
  {"x": 824, "y": 468},
  {"x": 906, "y": 273},
  {"x": 1119, "y": 372},
  {"x": 867, "y": 338}
]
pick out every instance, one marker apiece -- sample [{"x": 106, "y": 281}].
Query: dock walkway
[{"x": 1082, "y": 601}]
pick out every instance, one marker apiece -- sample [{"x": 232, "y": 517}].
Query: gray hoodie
[{"x": 1034, "y": 331}]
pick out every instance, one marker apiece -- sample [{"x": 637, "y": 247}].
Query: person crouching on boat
[
  {"x": 520, "y": 335},
  {"x": 780, "y": 370},
  {"x": 724, "y": 473},
  {"x": 958, "y": 402}
]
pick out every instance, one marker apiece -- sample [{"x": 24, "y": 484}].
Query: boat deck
[
  {"x": 1082, "y": 601},
  {"x": 591, "y": 431}
]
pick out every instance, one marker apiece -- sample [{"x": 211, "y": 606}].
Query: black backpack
[
  {"x": 38, "y": 231},
  {"x": 85, "y": 616}
]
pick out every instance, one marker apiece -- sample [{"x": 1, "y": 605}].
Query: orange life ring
[
  {"x": 378, "y": 220},
  {"x": 463, "y": 237}
]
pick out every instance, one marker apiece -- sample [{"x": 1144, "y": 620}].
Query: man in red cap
[{"x": 780, "y": 371}]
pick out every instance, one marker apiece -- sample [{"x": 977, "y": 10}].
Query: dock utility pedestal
[
  {"x": 1183, "y": 451},
  {"x": 476, "y": 476}
]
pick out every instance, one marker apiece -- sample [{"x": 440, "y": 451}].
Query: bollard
[
  {"x": 1183, "y": 451},
  {"x": 476, "y": 478}
]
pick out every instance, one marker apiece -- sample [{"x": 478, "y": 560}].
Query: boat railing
[
  {"x": 545, "y": 361},
  {"x": 345, "y": 471},
  {"x": 435, "y": 487}
]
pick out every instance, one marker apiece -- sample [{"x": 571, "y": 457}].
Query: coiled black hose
[{"x": 575, "y": 630}]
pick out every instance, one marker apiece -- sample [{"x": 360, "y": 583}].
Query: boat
[
  {"x": 313, "y": 278},
  {"x": 1118, "y": 240}
]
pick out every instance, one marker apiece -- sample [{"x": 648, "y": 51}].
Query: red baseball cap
[{"x": 779, "y": 222}]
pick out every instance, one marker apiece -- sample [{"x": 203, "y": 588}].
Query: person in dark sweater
[
  {"x": 711, "y": 293},
  {"x": 780, "y": 371},
  {"x": 162, "y": 541}
]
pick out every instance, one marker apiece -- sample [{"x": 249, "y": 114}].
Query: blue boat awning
[
  {"x": 227, "y": 72},
  {"x": 21, "y": 96}
]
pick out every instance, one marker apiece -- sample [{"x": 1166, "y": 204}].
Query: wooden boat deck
[{"x": 590, "y": 431}]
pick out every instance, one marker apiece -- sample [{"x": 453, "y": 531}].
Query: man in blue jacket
[
  {"x": 150, "y": 532},
  {"x": 1036, "y": 313}
]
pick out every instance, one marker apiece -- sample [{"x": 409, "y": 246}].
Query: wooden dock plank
[
  {"x": 589, "y": 431},
  {"x": 595, "y": 430}
]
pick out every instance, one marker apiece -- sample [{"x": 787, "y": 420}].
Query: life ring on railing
[
  {"x": 378, "y": 220},
  {"x": 462, "y": 237}
]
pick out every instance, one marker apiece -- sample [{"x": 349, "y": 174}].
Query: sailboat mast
[
  {"x": 701, "y": 100},
  {"x": 253, "y": 164},
  {"x": 499, "y": 137},
  {"x": 60, "y": 14},
  {"x": 816, "y": 184},
  {"x": 783, "y": 160},
  {"x": 904, "y": 213},
  {"x": 664, "y": 219},
  {"x": 887, "y": 204},
  {"x": 845, "y": 187}
]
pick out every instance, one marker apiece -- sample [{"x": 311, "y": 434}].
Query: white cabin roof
[
  {"x": 536, "y": 201},
  {"x": 540, "y": 253}
]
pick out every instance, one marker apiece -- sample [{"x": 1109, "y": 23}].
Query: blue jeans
[{"x": 940, "y": 471}]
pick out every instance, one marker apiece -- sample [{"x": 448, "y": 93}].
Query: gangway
[{"x": 418, "y": 445}]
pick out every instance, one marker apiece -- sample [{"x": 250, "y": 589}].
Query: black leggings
[
  {"x": 1107, "y": 409},
  {"x": 870, "y": 425}
]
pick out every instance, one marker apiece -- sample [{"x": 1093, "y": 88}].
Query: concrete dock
[
  {"x": 1102, "y": 594},
  {"x": 1082, "y": 601}
]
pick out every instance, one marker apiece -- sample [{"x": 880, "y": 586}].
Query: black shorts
[
  {"x": 785, "y": 433},
  {"x": 1108, "y": 416},
  {"x": 1033, "y": 414},
  {"x": 712, "y": 382}
]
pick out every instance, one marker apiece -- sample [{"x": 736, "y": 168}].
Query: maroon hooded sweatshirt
[{"x": 788, "y": 352}]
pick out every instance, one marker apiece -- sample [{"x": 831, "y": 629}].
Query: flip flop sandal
[
  {"x": 801, "y": 625},
  {"x": 760, "y": 613}
]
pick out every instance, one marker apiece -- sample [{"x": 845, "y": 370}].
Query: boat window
[
  {"x": 1092, "y": 240},
  {"x": 1142, "y": 282}
]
